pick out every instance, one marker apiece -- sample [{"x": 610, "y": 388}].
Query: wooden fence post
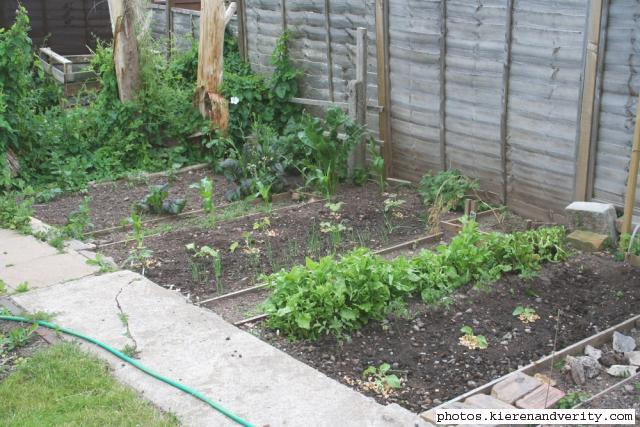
[
  {"x": 210, "y": 64},
  {"x": 168, "y": 16},
  {"x": 632, "y": 181},
  {"x": 443, "y": 84},
  {"x": 283, "y": 12},
  {"x": 125, "y": 49},
  {"x": 358, "y": 95},
  {"x": 588, "y": 101},
  {"x": 242, "y": 30},
  {"x": 384, "y": 84},
  {"x": 327, "y": 30},
  {"x": 506, "y": 75}
]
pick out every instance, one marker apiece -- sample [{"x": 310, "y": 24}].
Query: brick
[
  {"x": 587, "y": 241},
  {"x": 514, "y": 387},
  {"x": 484, "y": 401},
  {"x": 537, "y": 398}
]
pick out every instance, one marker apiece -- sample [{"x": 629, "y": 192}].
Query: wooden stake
[
  {"x": 327, "y": 30},
  {"x": 125, "y": 48},
  {"x": 210, "y": 64},
  {"x": 443, "y": 84},
  {"x": 632, "y": 181},
  {"x": 506, "y": 76},
  {"x": 242, "y": 30},
  {"x": 168, "y": 16}
]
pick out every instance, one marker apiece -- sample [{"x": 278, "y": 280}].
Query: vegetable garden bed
[{"x": 592, "y": 292}]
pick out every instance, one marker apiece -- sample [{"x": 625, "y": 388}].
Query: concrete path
[{"x": 192, "y": 345}]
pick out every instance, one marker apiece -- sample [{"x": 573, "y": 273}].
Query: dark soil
[
  {"x": 285, "y": 242},
  {"x": 592, "y": 293},
  {"x": 112, "y": 202},
  {"x": 9, "y": 359}
]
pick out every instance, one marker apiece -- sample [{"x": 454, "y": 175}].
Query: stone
[
  {"x": 592, "y": 352},
  {"x": 543, "y": 397},
  {"x": 633, "y": 357},
  {"x": 598, "y": 218},
  {"x": 77, "y": 245},
  {"x": 622, "y": 371},
  {"x": 591, "y": 366},
  {"x": 612, "y": 358},
  {"x": 577, "y": 370},
  {"x": 484, "y": 401},
  {"x": 514, "y": 387},
  {"x": 623, "y": 343},
  {"x": 587, "y": 241}
]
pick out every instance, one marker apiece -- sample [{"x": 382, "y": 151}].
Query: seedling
[
  {"x": 335, "y": 208},
  {"x": 391, "y": 205},
  {"x": 139, "y": 254},
  {"x": 262, "y": 225},
  {"x": 335, "y": 233},
  {"x": 210, "y": 254},
  {"x": 472, "y": 341},
  {"x": 22, "y": 287},
  {"x": 205, "y": 187},
  {"x": 526, "y": 314},
  {"x": 376, "y": 166},
  {"x": 101, "y": 262},
  {"x": 264, "y": 191},
  {"x": 382, "y": 381},
  {"x": 233, "y": 247},
  {"x": 130, "y": 351}
]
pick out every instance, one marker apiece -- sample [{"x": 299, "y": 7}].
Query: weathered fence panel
[{"x": 491, "y": 87}]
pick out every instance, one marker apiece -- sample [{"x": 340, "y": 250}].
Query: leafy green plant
[
  {"x": 15, "y": 214},
  {"x": 526, "y": 314},
  {"x": 444, "y": 192},
  {"x": 78, "y": 222},
  {"x": 572, "y": 399},
  {"x": 335, "y": 208},
  {"x": 157, "y": 202},
  {"x": 381, "y": 378},
  {"x": 472, "y": 341},
  {"x": 376, "y": 165},
  {"x": 104, "y": 266},
  {"x": 391, "y": 205},
  {"x": 139, "y": 255},
  {"x": 16, "y": 338},
  {"x": 205, "y": 187},
  {"x": 262, "y": 224},
  {"x": 22, "y": 287},
  {"x": 327, "y": 152},
  {"x": 212, "y": 256},
  {"x": 335, "y": 233}
]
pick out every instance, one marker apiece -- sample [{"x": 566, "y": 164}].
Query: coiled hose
[{"x": 135, "y": 363}]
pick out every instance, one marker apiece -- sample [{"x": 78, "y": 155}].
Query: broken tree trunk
[
  {"x": 125, "y": 48},
  {"x": 210, "y": 64},
  {"x": 13, "y": 163}
]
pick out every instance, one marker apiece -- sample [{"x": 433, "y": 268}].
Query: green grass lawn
[{"x": 62, "y": 385}]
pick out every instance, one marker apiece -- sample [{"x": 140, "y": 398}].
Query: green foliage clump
[
  {"x": 337, "y": 295},
  {"x": 15, "y": 214},
  {"x": 626, "y": 246},
  {"x": 446, "y": 189},
  {"x": 158, "y": 202},
  {"x": 334, "y": 296}
]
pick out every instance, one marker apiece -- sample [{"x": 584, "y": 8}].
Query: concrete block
[
  {"x": 598, "y": 218},
  {"x": 47, "y": 271},
  {"x": 484, "y": 401},
  {"x": 543, "y": 397},
  {"x": 514, "y": 387},
  {"x": 587, "y": 241},
  {"x": 20, "y": 249}
]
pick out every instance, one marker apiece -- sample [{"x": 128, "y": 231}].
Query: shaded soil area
[
  {"x": 625, "y": 396},
  {"x": 9, "y": 358},
  {"x": 252, "y": 246},
  {"x": 591, "y": 291},
  {"x": 112, "y": 202}
]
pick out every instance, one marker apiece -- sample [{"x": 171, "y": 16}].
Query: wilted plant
[
  {"x": 526, "y": 314},
  {"x": 472, "y": 341}
]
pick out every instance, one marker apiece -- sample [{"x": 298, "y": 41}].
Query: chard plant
[
  {"x": 472, "y": 341},
  {"x": 157, "y": 202}
]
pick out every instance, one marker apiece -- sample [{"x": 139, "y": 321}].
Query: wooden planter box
[
  {"x": 73, "y": 72},
  {"x": 633, "y": 260}
]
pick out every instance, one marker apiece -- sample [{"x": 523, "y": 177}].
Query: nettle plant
[{"x": 472, "y": 341}]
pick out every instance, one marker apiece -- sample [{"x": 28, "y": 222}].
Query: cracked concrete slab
[
  {"x": 17, "y": 248},
  {"x": 45, "y": 270},
  {"x": 198, "y": 348}
]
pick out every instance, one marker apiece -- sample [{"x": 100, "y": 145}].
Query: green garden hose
[{"x": 135, "y": 363}]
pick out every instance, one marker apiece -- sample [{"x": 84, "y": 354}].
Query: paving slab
[
  {"x": 514, "y": 387},
  {"x": 47, "y": 270},
  {"x": 543, "y": 397},
  {"x": 198, "y": 348},
  {"x": 587, "y": 241},
  {"x": 484, "y": 401},
  {"x": 20, "y": 249}
]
